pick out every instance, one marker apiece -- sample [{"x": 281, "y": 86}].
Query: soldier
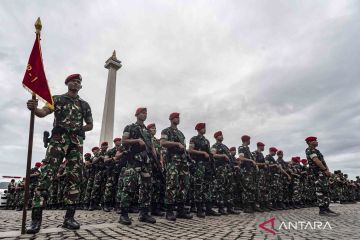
[
  {"x": 224, "y": 170},
  {"x": 90, "y": 183},
  {"x": 318, "y": 166},
  {"x": 274, "y": 180},
  {"x": 10, "y": 202},
  {"x": 158, "y": 174},
  {"x": 34, "y": 178},
  {"x": 237, "y": 182},
  {"x": 285, "y": 179},
  {"x": 66, "y": 142},
  {"x": 295, "y": 183},
  {"x": 304, "y": 183},
  {"x": 177, "y": 169},
  {"x": 248, "y": 172},
  {"x": 99, "y": 179},
  {"x": 19, "y": 192},
  {"x": 138, "y": 141},
  {"x": 199, "y": 148},
  {"x": 88, "y": 176},
  {"x": 262, "y": 177}
]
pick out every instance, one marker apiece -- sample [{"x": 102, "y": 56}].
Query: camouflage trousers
[
  {"x": 109, "y": 185},
  {"x": 249, "y": 186},
  {"x": 32, "y": 187},
  {"x": 322, "y": 190},
  {"x": 98, "y": 187},
  {"x": 19, "y": 199},
  {"x": 262, "y": 185},
  {"x": 137, "y": 177},
  {"x": 89, "y": 187},
  {"x": 120, "y": 185},
  {"x": 60, "y": 192},
  {"x": 53, "y": 190},
  {"x": 203, "y": 183},
  {"x": 222, "y": 189},
  {"x": 237, "y": 186},
  {"x": 296, "y": 190},
  {"x": 10, "y": 202},
  {"x": 177, "y": 179},
  {"x": 70, "y": 147},
  {"x": 275, "y": 191},
  {"x": 158, "y": 186}
]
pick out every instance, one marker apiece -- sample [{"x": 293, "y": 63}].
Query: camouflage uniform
[
  {"x": 90, "y": 176},
  {"x": 177, "y": 169},
  {"x": 262, "y": 180},
  {"x": 65, "y": 142},
  {"x": 273, "y": 180},
  {"x": 158, "y": 177},
  {"x": 321, "y": 182},
  {"x": 248, "y": 173},
  {"x": 61, "y": 185},
  {"x": 33, "y": 183},
  {"x": 10, "y": 203},
  {"x": 138, "y": 172},
  {"x": 99, "y": 179},
  {"x": 20, "y": 192},
  {"x": 295, "y": 184}
]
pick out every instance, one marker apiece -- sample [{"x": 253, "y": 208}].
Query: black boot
[
  {"x": 256, "y": 208},
  {"x": 69, "y": 221},
  {"x": 263, "y": 207},
  {"x": 92, "y": 205},
  {"x": 170, "y": 213},
  {"x": 248, "y": 208},
  {"x": 281, "y": 205},
  {"x": 133, "y": 209},
  {"x": 222, "y": 210},
  {"x": 209, "y": 211},
  {"x": 19, "y": 208},
  {"x": 36, "y": 218},
  {"x": 230, "y": 209},
  {"x": 200, "y": 212},
  {"x": 124, "y": 217},
  {"x": 106, "y": 207},
  {"x": 193, "y": 208},
  {"x": 145, "y": 217},
  {"x": 332, "y": 213},
  {"x": 155, "y": 210},
  {"x": 182, "y": 213}
]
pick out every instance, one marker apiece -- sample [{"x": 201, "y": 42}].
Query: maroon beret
[
  {"x": 273, "y": 149},
  {"x": 103, "y": 144},
  {"x": 38, "y": 164},
  {"x": 87, "y": 155},
  {"x": 95, "y": 148},
  {"x": 217, "y": 134},
  {"x": 174, "y": 115},
  {"x": 117, "y": 139},
  {"x": 232, "y": 149},
  {"x": 245, "y": 138},
  {"x": 310, "y": 139},
  {"x": 140, "y": 110},
  {"x": 72, "y": 77},
  {"x": 151, "y": 125},
  {"x": 294, "y": 159},
  {"x": 304, "y": 161},
  {"x": 260, "y": 144},
  {"x": 200, "y": 126},
  {"x": 279, "y": 152}
]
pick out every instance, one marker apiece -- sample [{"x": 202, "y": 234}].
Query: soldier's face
[
  {"x": 272, "y": 153},
  {"x": 280, "y": 155},
  {"x": 117, "y": 143},
  {"x": 233, "y": 153},
  {"x": 142, "y": 116},
  {"x": 103, "y": 148},
  {"x": 175, "y": 121},
  {"x": 74, "y": 85},
  {"x": 202, "y": 131},
  {"x": 220, "y": 138},
  {"x": 153, "y": 131},
  {"x": 261, "y": 148}
]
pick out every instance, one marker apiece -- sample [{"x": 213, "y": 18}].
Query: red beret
[
  {"x": 279, "y": 152},
  {"x": 232, "y": 149},
  {"x": 294, "y": 159},
  {"x": 273, "y": 149},
  {"x": 217, "y": 134},
  {"x": 259, "y": 144},
  {"x": 304, "y": 161},
  {"x": 310, "y": 139},
  {"x": 95, "y": 148},
  {"x": 117, "y": 139},
  {"x": 72, "y": 77},
  {"x": 151, "y": 125},
  {"x": 140, "y": 110},
  {"x": 38, "y": 164},
  {"x": 87, "y": 155},
  {"x": 200, "y": 126},
  {"x": 104, "y": 144},
  {"x": 245, "y": 138},
  {"x": 174, "y": 115}
]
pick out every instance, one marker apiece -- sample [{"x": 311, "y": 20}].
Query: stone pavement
[{"x": 102, "y": 225}]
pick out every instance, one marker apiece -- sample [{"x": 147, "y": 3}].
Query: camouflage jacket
[
  {"x": 311, "y": 153},
  {"x": 173, "y": 135},
  {"x": 200, "y": 143}
]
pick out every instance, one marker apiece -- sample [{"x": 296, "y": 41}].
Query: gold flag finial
[
  {"x": 114, "y": 54},
  {"x": 38, "y": 25}
]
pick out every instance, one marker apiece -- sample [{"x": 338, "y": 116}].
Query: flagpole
[{"x": 38, "y": 27}]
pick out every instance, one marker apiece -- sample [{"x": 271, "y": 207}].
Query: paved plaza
[{"x": 102, "y": 225}]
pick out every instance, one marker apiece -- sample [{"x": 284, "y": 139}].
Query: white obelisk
[{"x": 107, "y": 125}]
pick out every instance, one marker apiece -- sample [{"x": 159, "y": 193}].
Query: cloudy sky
[{"x": 275, "y": 70}]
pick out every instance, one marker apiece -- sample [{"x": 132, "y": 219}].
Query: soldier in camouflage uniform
[
  {"x": 99, "y": 179},
  {"x": 224, "y": 172},
  {"x": 87, "y": 177},
  {"x": 199, "y": 148},
  {"x": 274, "y": 180},
  {"x": 285, "y": 179},
  {"x": 177, "y": 169},
  {"x": 19, "y": 193},
  {"x": 90, "y": 183},
  {"x": 237, "y": 180},
  {"x": 34, "y": 178},
  {"x": 318, "y": 166},
  {"x": 141, "y": 152},
  {"x": 262, "y": 179},
  {"x": 66, "y": 142},
  {"x": 305, "y": 198},
  {"x": 10, "y": 202},
  {"x": 112, "y": 174},
  {"x": 295, "y": 183},
  {"x": 248, "y": 171},
  {"x": 158, "y": 174}
]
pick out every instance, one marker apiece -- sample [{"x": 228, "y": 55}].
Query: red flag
[{"x": 35, "y": 79}]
